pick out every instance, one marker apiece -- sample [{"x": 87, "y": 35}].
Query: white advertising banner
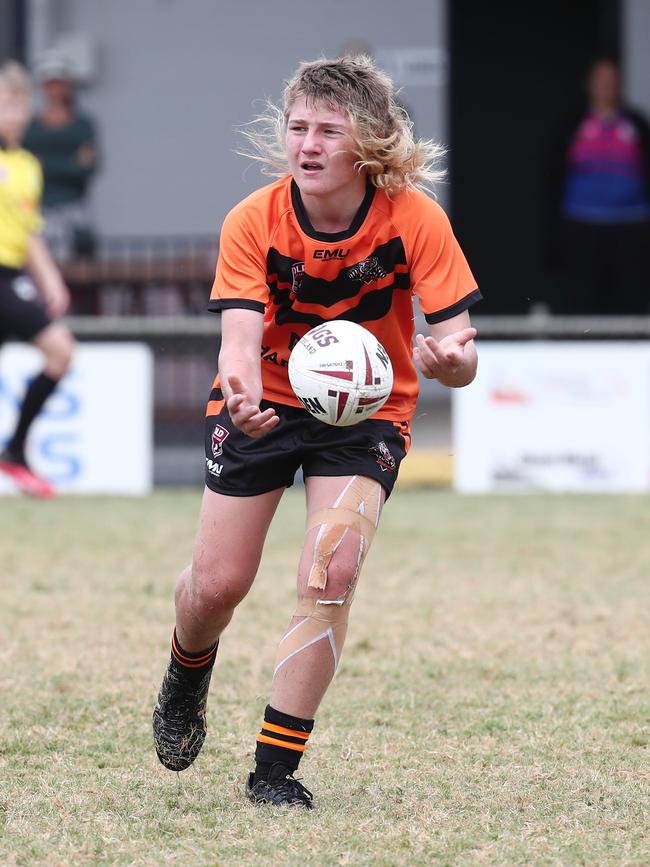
[
  {"x": 549, "y": 416},
  {"x": 94, "y": 435}
]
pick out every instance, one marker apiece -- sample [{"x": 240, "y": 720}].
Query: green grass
[{"x": 491, "y": 706}]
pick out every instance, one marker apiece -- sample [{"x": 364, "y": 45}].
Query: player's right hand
[{"x": 245, "y": 414}]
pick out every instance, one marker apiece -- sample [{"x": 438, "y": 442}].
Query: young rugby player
[
  {"x": 22, "y": 313},
  {"x": 345, "y": 234}
]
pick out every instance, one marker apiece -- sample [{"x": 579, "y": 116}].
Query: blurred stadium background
[{"x": 167, "y": 81}]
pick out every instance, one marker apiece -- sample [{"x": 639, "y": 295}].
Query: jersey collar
[{"x": 355, "y": 225}]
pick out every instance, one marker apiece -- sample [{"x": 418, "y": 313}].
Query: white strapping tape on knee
[
  {"x": 320, "y": 621},
  {"x": 360, "y": 497}
]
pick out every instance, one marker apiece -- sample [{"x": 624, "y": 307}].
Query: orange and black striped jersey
[{"x": 271, "y": 259}]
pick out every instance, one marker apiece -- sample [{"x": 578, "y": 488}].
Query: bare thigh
[{"x": 229, "y": 542}]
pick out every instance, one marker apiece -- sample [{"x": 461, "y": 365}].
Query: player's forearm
[
  {"x": 243, "y": 367},
  {"x": 239, "y": 355}
]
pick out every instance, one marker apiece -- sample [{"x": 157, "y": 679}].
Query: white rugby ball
[{"x": 340, "y": 373}]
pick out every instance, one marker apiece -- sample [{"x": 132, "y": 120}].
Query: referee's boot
[
  {"x": 179, "y": 725},
  {"x": 21, "y": 475}
]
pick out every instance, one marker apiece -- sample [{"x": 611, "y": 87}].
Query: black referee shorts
[
  {"x": 243, "y": 466},
  {"x": 22, "y": 314}
]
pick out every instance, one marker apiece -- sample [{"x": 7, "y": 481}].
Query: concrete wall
[
  {"x": 636, "y": 39},
  {"x": 168, "y": 80}
]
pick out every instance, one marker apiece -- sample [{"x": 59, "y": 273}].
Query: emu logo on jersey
[
  {"x": 338, "y": 253},
  {"x": 368, "y": 270},
  {"x": 297, "y": 270},
  {"x": 219, "y": 436},
  {"x": 384, "y": 458}
]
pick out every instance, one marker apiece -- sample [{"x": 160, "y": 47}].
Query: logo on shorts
[
  {"x": 383, "y": 456},
  {"x": 218, "y": 438},
  {"x": 297, "y": 271},
  {"x": 213, "y": 467},
  {"x": 24, "y": 288}
]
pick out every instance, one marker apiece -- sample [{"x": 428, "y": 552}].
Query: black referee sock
[
  {"x": 283, "y": 739},
  {"x": 193, "y": 665},
  {"x": 38, "y": 391}
]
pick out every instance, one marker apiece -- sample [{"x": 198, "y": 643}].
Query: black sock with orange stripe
[
  {"x": 283, "y": 738},
  {"x": 193, "y": 665}
]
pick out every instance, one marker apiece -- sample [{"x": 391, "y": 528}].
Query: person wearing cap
[{"x": 64, "y": 140}]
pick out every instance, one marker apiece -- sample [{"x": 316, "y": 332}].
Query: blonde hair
[
  {"x": 382, "y": 131},
  {"x": 15, "y": 80}
]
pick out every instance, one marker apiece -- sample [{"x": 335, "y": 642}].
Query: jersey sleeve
[
  {"x": 440, "y": 276},
  {"x": 240, "y": 278}
]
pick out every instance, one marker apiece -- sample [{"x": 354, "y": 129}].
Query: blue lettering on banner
[
  {"x": 57, "y": 450},
  {"x": 7, "y": 395},
  {"x": 60, "y": 449},
  {"x": 4, "y": 391},
  {"x": 62, "y": 404}
]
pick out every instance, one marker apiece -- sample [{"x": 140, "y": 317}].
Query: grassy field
[{"x": 491, "y": 707}]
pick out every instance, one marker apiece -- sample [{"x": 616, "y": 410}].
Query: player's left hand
[{"x": 446, "y": 358}]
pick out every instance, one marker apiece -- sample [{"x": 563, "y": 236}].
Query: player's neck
[{"x": 334, "y": 212}]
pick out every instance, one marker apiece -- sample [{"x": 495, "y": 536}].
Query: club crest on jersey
[
  {"x": 368, "y": 270},
  {"x": 383, "y": 456},
  {"x": 219, "y": 436},
  {"x": 297, "y": 270}
]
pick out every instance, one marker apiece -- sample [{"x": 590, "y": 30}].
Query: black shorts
[
  {"x": 22, "y": 314},
  {"x": 243, "y": 466}
]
